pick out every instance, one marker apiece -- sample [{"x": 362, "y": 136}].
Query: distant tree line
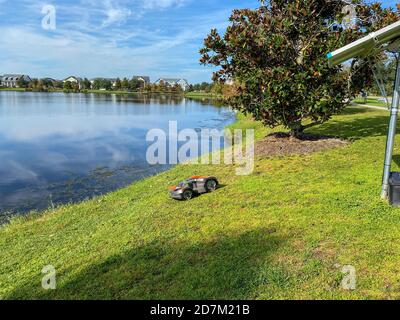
[
  {"x": 120, "y": 84},
  {"x": 45, "y": 84},
  {"x": 162, "y": 87},
  {"x": 125, "y": 84}
]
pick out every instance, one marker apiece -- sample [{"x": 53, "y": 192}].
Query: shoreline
[{"x": 193, "y": 95}]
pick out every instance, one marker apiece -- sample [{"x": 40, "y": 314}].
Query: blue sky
[{"x": 113, "y": 38}]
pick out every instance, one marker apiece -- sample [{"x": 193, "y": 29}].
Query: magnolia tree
[{"x": 276, "y": 58}]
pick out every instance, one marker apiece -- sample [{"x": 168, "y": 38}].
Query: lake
[{"x": 58, "y": 148}]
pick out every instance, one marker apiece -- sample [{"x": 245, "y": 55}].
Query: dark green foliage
[
  {"x": 135, "y": 84},
  {"x": 118, "y": 84},
  {"x": 22, "y": 83},
  {"x": 102, "y": 84},
  {"x": 276, "y": 56},
  {"x": 86, "y": 84}
]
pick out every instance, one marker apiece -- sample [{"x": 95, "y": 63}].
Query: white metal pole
[{"x": 392, "y": 132}]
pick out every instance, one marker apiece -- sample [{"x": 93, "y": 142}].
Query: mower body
[{"x": 194, "y": 186}]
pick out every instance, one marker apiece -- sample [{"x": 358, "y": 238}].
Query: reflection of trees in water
[
  {"x": 165, "y": 99},
  {"x": 208, "y": 102},
  {"x": 156, "y": 98}
]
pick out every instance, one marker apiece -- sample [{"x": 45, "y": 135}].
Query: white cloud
[
  {"x": 115, "y": 15},
  {"x": 117, "y": 11},
  {"x": 71, "y": 128},
  {"x": 162, "y": 4}
]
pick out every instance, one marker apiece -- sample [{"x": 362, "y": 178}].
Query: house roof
[
  {"x": 13, "y": 77},
  {"x": 50, "y": 79},
  {"x": 145, "y": 78},
  {"x": 76, "y": 78},
  {"x": 171, "y": 80}
]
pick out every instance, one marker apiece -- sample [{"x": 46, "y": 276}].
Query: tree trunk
[{"x": 296, "y": 130}]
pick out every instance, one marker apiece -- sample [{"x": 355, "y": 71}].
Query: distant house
[
  {"x": 11, "y": 80},
  {"x": 183, "y": 83},
  {"x": 144, "y": 79},
  {"x": 73, "y": 79}
]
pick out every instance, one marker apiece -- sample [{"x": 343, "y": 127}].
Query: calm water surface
[{"x": 58, "y": 148}]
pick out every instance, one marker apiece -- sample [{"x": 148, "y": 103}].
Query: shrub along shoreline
[{"x": 284, "y": 232}]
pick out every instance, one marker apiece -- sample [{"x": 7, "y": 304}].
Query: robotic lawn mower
[{"x": 194, "y": 186}]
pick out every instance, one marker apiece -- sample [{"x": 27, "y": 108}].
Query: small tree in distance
[
  {"x": 125, "y": 84},
  {"x": 21, "y": 83},
  {"x": 86, "y": 84},
  {"x": 118, "y": 84},
  {"x": 67, "y": 86},
  {"x": 135, "y": 84},
  {"x": 276, "y": 56}
]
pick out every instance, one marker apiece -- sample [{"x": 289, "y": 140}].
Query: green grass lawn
[
  {"x": 201, "y": 95},
  {"x": 13, "y": 89},
  {"x": 371, "y": 101},
  {"x": 281, "y": 233}
]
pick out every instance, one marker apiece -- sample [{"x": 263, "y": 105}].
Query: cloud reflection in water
[{"x": 59, "y": 148}]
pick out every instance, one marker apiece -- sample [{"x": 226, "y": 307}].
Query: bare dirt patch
[{"x": 282, "y": 144}]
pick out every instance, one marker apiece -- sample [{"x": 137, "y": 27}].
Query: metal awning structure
[{"x": 388, "y": 39}]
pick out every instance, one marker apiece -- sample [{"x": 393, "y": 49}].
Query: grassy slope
[{"x": 275, "y": 234}]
